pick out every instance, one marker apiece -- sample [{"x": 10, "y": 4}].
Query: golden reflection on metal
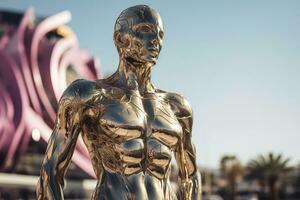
[{"x": 130, "y": 127}]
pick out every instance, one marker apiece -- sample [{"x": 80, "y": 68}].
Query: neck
[{"x": 134, "y": 75}]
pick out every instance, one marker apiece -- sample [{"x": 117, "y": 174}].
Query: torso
[{"x": 131, "y": 139}]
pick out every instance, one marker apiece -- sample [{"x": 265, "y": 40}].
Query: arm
[
  {"x": 185, "y": 152},
  {"x": 61, "y": 145}
]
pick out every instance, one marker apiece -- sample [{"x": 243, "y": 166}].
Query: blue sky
[{"x": 237, "y": 62}]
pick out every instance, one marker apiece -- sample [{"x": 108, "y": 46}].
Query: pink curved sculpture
[{"x": 34, "y": 74}]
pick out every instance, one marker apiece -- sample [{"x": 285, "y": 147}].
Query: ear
[{"x": 121, "y": 39}]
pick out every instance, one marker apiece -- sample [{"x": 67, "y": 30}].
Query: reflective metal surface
[{"x": 131, "y": 128}]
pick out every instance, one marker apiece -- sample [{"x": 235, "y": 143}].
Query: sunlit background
[{"x": 237, "y": 63}]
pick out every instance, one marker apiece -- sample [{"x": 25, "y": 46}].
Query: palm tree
[
  {"x": 294, "y": 178},
  {"x": 269, "y": 169},
  {"x": 231, "y": 169}
]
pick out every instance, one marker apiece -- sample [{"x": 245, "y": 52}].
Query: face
[{"x": 142, "y": 39}]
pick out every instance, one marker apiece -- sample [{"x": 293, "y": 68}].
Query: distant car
[{"x": 212, "y": 197}]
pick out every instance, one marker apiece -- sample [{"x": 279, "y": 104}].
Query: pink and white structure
[{"x": 37, "y": 62}]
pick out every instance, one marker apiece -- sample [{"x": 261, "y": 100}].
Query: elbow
[
  {"x": 48, "y": 169},
  {"x": 49, "y": 184},
  {"x": 43, "y": 181},
  {"x": 49, "y": 174}
]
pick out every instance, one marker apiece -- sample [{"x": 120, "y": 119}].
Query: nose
[{"x": 155, "y": 43}]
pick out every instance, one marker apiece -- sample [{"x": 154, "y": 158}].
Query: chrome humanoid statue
[{"x": 130, "y": 127}]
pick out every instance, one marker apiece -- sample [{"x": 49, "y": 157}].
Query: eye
[
  {"x": 161, "y": 34},
  {"x": 144, "y": 29}
]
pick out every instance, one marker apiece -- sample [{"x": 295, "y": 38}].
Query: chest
[
  {"x": 133, "y": 133},
  {"x": 131, "y": 116}
]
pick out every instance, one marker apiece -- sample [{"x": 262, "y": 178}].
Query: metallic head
[{"x": 138, "y": 34}]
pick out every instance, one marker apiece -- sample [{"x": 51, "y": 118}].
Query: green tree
[
  {"x": 269, "y": 169},
  {"x": 231, "y": 169},
  {"x": 294, "y": 178}
]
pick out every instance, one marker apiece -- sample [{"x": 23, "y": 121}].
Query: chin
[
  {"x": 151, "y": 60},
  {"x": 143, "y": 59}
]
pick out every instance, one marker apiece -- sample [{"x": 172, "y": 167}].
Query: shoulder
[
  {"x": 72, "y": 102},
  {"x": 76, "y": 94},
  {"x": 179, "y": 104},
  {"x": 79, "y": 90}
]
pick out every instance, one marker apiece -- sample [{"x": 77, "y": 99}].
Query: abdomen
[{"x": 140, "y": 186}]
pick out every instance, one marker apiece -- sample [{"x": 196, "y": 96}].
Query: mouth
[{"x": 153, "y": 52}]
